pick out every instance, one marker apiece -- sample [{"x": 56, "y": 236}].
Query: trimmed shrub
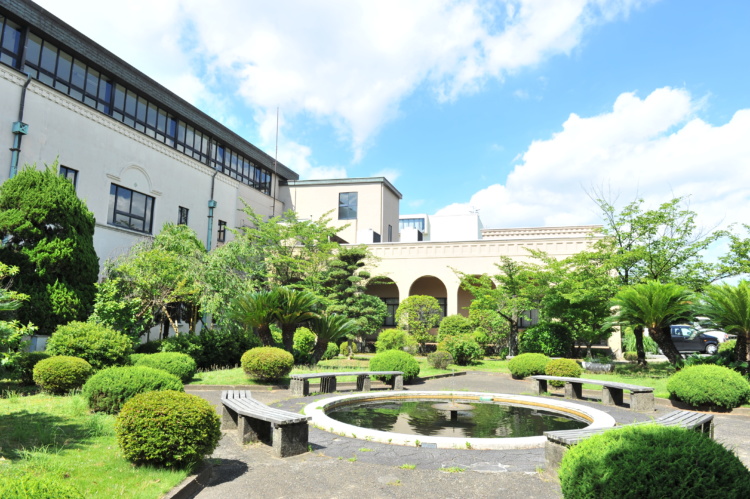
[
  {"x": 440, "y": 359},
  {"x": 213, "y": 348},
  {"x": 98, "y": 345},
  {"x": 709, "y": 385},
  {"x": 562, "y": 367},
  {"x": 61, "y": 373},
  {"x": 107, "y": 390},
  {"x": 527, "y": 364},
  {"x": 553, "y": 339},
  {"x": 20, "y": 485},
  {"x": 652, "y": 461},
  {"x": 180, "y": 364},
  {"x": 463, "y": 348},
  {"x": 395, "y": 360},
  {"x": 167, "y": 428},
  {"x": 454, "y": 325},
  {"x": 24, "y": 365},
  {"x": 344, "y": 348},
  {"x": 630, "y": 356},
  {"x": 135, "y": 357},
  {"x": 304, "y": 342},
  {"x": 149, "y": 347},
  {"x": 395, "y": 339},
  {"x": 267, "y": 363},
  {"x": 628, "y": 342},
  {"x": 727, "y": 346},
  {"x": 332, "y": 351}
]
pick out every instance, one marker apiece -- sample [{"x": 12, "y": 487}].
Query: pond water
[{"x": 484, "y": 420}]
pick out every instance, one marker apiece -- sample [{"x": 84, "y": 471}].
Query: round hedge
[
  {"x": 527, "y": 364},
  {"x": 27, "y": 485},
  {"x": 344, "y": 348},
  {"x": 61, "y": 373},
  {"x": 440, "y": 359},
  {"x": 568, "y": 368},
  {"x": 709, "y": 385},
  {"x": 463, "y": 348},
  {"x": 267, "y": 363},
  {"x": 99, "y": 345},
  {"x": 395, "y": 339},
  {"x": 332, "y": 351},
  {"x": 167, "y": 428},
  {"x": 395, "y": 360},
  {"x": 180, "y": 364},
  {"x": 652, "y": 461},
  {"x": 107, "y": 390},
  {"x": 24, "y": 365}
]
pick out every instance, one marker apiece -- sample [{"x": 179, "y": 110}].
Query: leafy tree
[
  {"x": 655, "y": 306},
  {"x": 728, "y": 308},
  {"x": 418, "y": 314},
  {"x": 454, "y": 325},
  {"x": 48, "y": 233},
  {"x": 11, "y": 331},
  {"x": 491, "y": 323}
]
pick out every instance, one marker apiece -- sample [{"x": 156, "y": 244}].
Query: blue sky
[{"x": 514, "y": 108}]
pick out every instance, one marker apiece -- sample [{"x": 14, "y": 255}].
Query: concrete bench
[
  {"x": 558, "y": 442},
  {"x": 641, "y": 397},
  {"x": 254, "y": 421},
  {"x": 300, "y": 383}
]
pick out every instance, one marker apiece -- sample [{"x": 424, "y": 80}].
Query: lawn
[{"x": 57, "y": 437}]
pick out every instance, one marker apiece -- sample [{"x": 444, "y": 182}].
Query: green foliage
[
  {"x": 220, "y": 346},
  {"x": 568, "y": 368},
  {"x": 454, "y": 325},
  {"x": 107, "y": 390},
  {"x": 652, "y": 461},
  {"x": 23, "y": 367},
  {"x": 344, "y": 348},
  {"x": 727, "y": 346},
  {"x": 709, "y": 385},
  {"x": 463, "y": 348},
  {"x": 527, "y": 364},
  {"x": 60, "y": 374},
  {"x": 332, "y": 351},
  {"x": 48, "y": 233},
  {"x": 395, "y": 339},
  {"x": 117, "y": 308},
  {"x": 330, "y": 328},
  {"x": 304, "y": 342},
  {"x": 418, "y": 314},
  {"x": 550, "y": 338},
  {"x": 728, "y": 308},
  {"x": 630, "y": 356},
  {"x": 178, "y": 364},
  {"x": 440, "y": 359},
  {"x": 99, "y": 345},
  {"x": 167, "y": 428},
  {"x": 20, "y": 485},
  {"x": 395, "y": 360},
  {"x": 152, "y": 346},
  {"x": 267, "y": 363},
  {"x": 628, "y": 342},
  {"x": 12, "y": 333}
]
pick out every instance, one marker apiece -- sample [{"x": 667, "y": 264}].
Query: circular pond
[{"x": 479, "y": 421}]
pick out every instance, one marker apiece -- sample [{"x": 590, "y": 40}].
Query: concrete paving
[{"x": 340, "y": 467}]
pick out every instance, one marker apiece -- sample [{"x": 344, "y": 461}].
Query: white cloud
[
  {"x": 655, "y": 148},
  {"x": 348, "y": 63}
]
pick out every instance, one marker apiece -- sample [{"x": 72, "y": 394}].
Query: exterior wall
[
  {"x": 105, "y": 151},
  {"x": 455, "y": 227}
]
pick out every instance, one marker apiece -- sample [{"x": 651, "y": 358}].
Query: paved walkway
[{"x": 340, "y": 467}]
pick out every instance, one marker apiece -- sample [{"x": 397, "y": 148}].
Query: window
[
  {"x": 443, "y": 302},
  {"x": 130, "y": 209},
  {"x": 10, "y": 42},
  {"x": 417, "y": 223},
  {"x": 347, "y": 205},
  {"x": 221, "y": 235},
  {"x": 70, "y": 174},
  {"x": 182, "y": 216},
  {"x": 391, "y": 305}
]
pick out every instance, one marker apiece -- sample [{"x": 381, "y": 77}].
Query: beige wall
[{"x": 105, "y": 151}]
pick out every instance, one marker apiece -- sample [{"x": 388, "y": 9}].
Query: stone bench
[
  {"x": 558, "y": 442},
  {"x": 254, "y": 421},
  {"x": 641, "y": 397},
  {"x": 300, "y": 383}
]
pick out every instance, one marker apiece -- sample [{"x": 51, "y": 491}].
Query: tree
[
  {"x": 48, "y": 233},
  {"x": 256, "y": 310},
  {"x": 328, "y": 328},
  {"x": 728, "y": 308},
  {"x": 655, "y": 306},
  {"x": 418, "y": 314},
  {"x": 11, "y": 331},
  {"x": 293, "y": 307}
]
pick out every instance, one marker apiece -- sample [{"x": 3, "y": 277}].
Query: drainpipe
[
  {"x": 211, "y": 206},
  {"x": 19, "y": 129}
]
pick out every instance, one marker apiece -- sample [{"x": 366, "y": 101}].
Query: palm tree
[
  {"x": 728, "y": 308},
  {"x": 256, "y": 310},
  {"x": 655, "y": 306},
  {"x": 328, "y": 328},
  {"x": 292, "y": 308}
]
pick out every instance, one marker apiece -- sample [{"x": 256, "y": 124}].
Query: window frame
[
  {"x": 221, "y": 233},
  {"x": 117, "y": 215},
  {"x": 348, "y": 204},
  {"x": 182, "y": 215},
  {"x": 66, "y": 171}
]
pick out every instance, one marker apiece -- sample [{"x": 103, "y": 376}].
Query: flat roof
[{"x": 345, "y": 181}]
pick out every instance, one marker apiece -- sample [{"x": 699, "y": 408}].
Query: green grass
[{"x": 57, "y": 437}]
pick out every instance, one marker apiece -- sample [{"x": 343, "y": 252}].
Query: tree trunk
[
  {"x": 663, "y": 338},
  {"x": 513, "y": 338},
  {"x": 171, "y": 321},
  {"x": 287, "y": 336},
  {"x": 320, "y": 348},
  {"x": 638, "y": 332},
  {"x": 740, "y": 349},
  {"x": 264, "y": 333}
]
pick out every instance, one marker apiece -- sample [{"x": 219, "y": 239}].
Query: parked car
[
  {"x": 719, "y": 335},
  {"x": 688, "y": 339}
]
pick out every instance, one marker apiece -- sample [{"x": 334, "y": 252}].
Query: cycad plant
[
  {"x": 292, "y": 308},
  {"x": 256, "y": 310},
  {"x": 655, "y": 306},
  {"x": 328, "y": 328},
  {"x": 728, "y": 308}
]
